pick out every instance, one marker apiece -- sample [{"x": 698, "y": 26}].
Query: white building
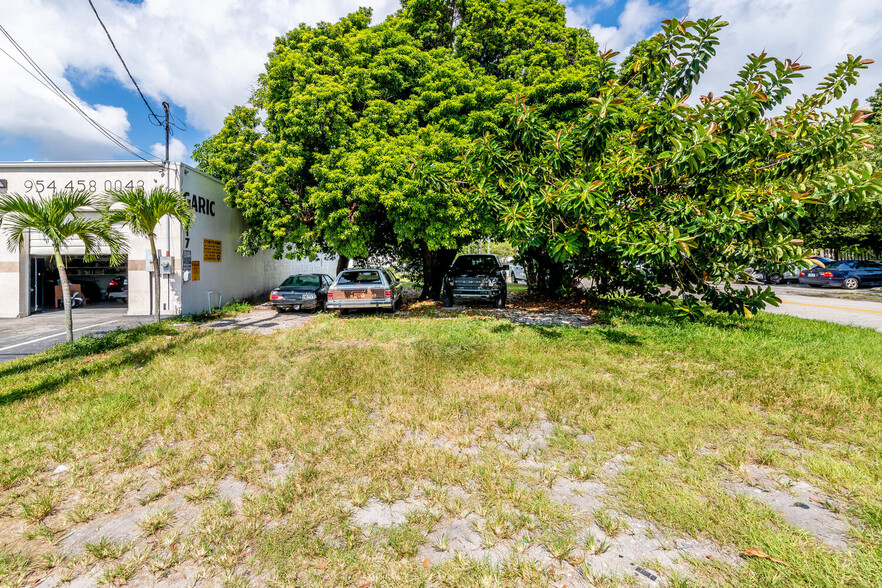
[{"x": 199, "y": 268}]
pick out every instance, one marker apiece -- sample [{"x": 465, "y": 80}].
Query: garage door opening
[{"x": 94, "y": 283}]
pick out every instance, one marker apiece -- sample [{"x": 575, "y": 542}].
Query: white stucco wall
[{"x": 235, "y": 276}]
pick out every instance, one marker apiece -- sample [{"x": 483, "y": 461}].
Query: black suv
[{"x": 476, "y": 276}]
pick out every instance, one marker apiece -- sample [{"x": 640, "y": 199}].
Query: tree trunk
[
  {"x": 342, "y": 264},
  {"x": 157, "y": 281},
  {"x": 65, "y": 295},
  {"x": 435, "y": 265}
]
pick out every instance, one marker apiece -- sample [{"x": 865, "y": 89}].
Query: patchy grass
[{"x": 369, "y": 450}]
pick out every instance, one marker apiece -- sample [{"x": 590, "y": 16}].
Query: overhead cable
[
  {"x": 118, "y": 54},
  {"x": 50, "y": 84}
]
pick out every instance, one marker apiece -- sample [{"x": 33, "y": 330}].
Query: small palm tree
[
  {"x": 141, "y": 211},
  {"x": 59, "y": 219}
]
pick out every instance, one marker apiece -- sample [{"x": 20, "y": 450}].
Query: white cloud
[
  {"x": 203, "y": 55},
  {"x": 177, "y": 151},
  {"x": 818, "y": 32}
]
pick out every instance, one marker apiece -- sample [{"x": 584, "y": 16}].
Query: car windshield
[
  {"x": 838, "y": 265},
  {"x": 301, "y": 281},
  {"x": 484, "y": 263},
  {"x": 359, "y": 277}
]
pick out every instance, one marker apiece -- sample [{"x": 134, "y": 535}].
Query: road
[
  {"x": 25, "y": 336},
  {"x": 835, "y": 306}
]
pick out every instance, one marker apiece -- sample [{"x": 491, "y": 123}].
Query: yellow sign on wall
[
  {"x": 194, "y": 271},
  {"x": 211, "y": 250}
]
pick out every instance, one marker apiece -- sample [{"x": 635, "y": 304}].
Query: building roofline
[{"x": 58, "y": 164}]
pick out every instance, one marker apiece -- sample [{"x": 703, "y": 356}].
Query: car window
[
  {"x": 874, "y": 265},
  {"x": 392, "y": 277},
  {"x": 484, "y": 263},
  {"x": 301, "y": 281},
  {"x": 843, "y": 265},
  {"x": 359, "y": 277}
]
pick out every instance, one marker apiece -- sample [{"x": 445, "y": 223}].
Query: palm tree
[
  {"x": 141, "y": 211},
  {"x": 60, "y": 220}
]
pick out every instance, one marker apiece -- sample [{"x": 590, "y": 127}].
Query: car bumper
[
  {"x": 303, "y": 304},
  {"x": 350, "y": 304},
  {"x": 481, "y": 294},
  {"x": 836, "y": 283}
]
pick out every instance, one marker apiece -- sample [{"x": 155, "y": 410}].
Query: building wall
[{"x": 234, "y": 276}]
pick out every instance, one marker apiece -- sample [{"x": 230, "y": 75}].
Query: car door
[
  {"x": 869, "y": 272},
  {"x": 397, "y": 288}
]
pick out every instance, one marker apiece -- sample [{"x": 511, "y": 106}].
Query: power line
[
  {"x": 47, "y": 81},
  {"x": 131, "y": 77},
  {"x": 92, "y": 121}
]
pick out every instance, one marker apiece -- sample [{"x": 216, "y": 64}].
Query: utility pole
[
  {"x": 167, "y": 219},
  {"x": 165, "y": 124}
]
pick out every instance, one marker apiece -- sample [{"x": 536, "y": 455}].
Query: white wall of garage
[{"x": 234, "y": 276}]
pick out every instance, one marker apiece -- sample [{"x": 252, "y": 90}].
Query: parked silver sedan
[{"x": 365, "y": 288}]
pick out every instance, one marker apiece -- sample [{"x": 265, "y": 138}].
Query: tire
[
  {"x": 281, "y": 309},
  {"x": 446, "y": 300},
  {"x": 850, "y": 283},
  {"x": 344, "y": 311},
  {"x": 500, "y": 301},
  {"x": 774, "y": 279}
]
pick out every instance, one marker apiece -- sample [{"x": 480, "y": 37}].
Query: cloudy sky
[{"x": 203, "y": 57}]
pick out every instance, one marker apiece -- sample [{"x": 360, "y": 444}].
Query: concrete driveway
[{"x": 21, "y": 337}]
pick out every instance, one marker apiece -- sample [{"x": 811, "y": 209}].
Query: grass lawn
[{"x": 424, "y": 450}]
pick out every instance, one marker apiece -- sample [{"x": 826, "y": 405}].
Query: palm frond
[
  {"x": 59, "y": 219},
  {"x": 141, "y": 210}
]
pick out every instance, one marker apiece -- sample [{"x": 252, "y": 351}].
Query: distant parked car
[
  {"x": 303, "y": 291},
  {"x": 787, "y": 276},
  {"x": 118, "y": 289},
  {"x": 843, "y": 274},
  {"x": 518, "y": 274},
  {"x": 365, "y": 288},
  {"x": 477, "y": 277}
]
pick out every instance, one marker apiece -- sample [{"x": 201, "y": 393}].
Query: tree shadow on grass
[
  {"x": 85, "y": 346},
  {"x": 94, "y": 365},
  {"x": 619, "y": 337}
]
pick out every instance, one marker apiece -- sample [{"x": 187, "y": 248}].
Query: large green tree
[
  {"x": 654, "y": 194},
  {"x": 352, "y": 142}
]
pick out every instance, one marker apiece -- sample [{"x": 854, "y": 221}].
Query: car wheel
[
  {"x": 281, "y": 309},
  {"x": 446, "y": 300},
  {"x": 344, "y": 311},
  {"x": 500, "y": 301},
  {"x": 850, "y": 283},
  {"x": 774, "y": 279}
]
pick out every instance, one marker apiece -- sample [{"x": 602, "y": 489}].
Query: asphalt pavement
[
  {"x": 858, "y": 308},
  {"x": 20, "y": 337}
]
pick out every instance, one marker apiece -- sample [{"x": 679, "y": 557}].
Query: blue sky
[{"x": 203, "y": 57}]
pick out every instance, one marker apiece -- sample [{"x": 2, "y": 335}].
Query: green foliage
[
  {"x": 352, "y": 142},
  {"x": 855, "y": 225},
  {"x": 60, "y": 219},
  {"x": 652, "y": 195},
  {"x": 141, "y": 211}
]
